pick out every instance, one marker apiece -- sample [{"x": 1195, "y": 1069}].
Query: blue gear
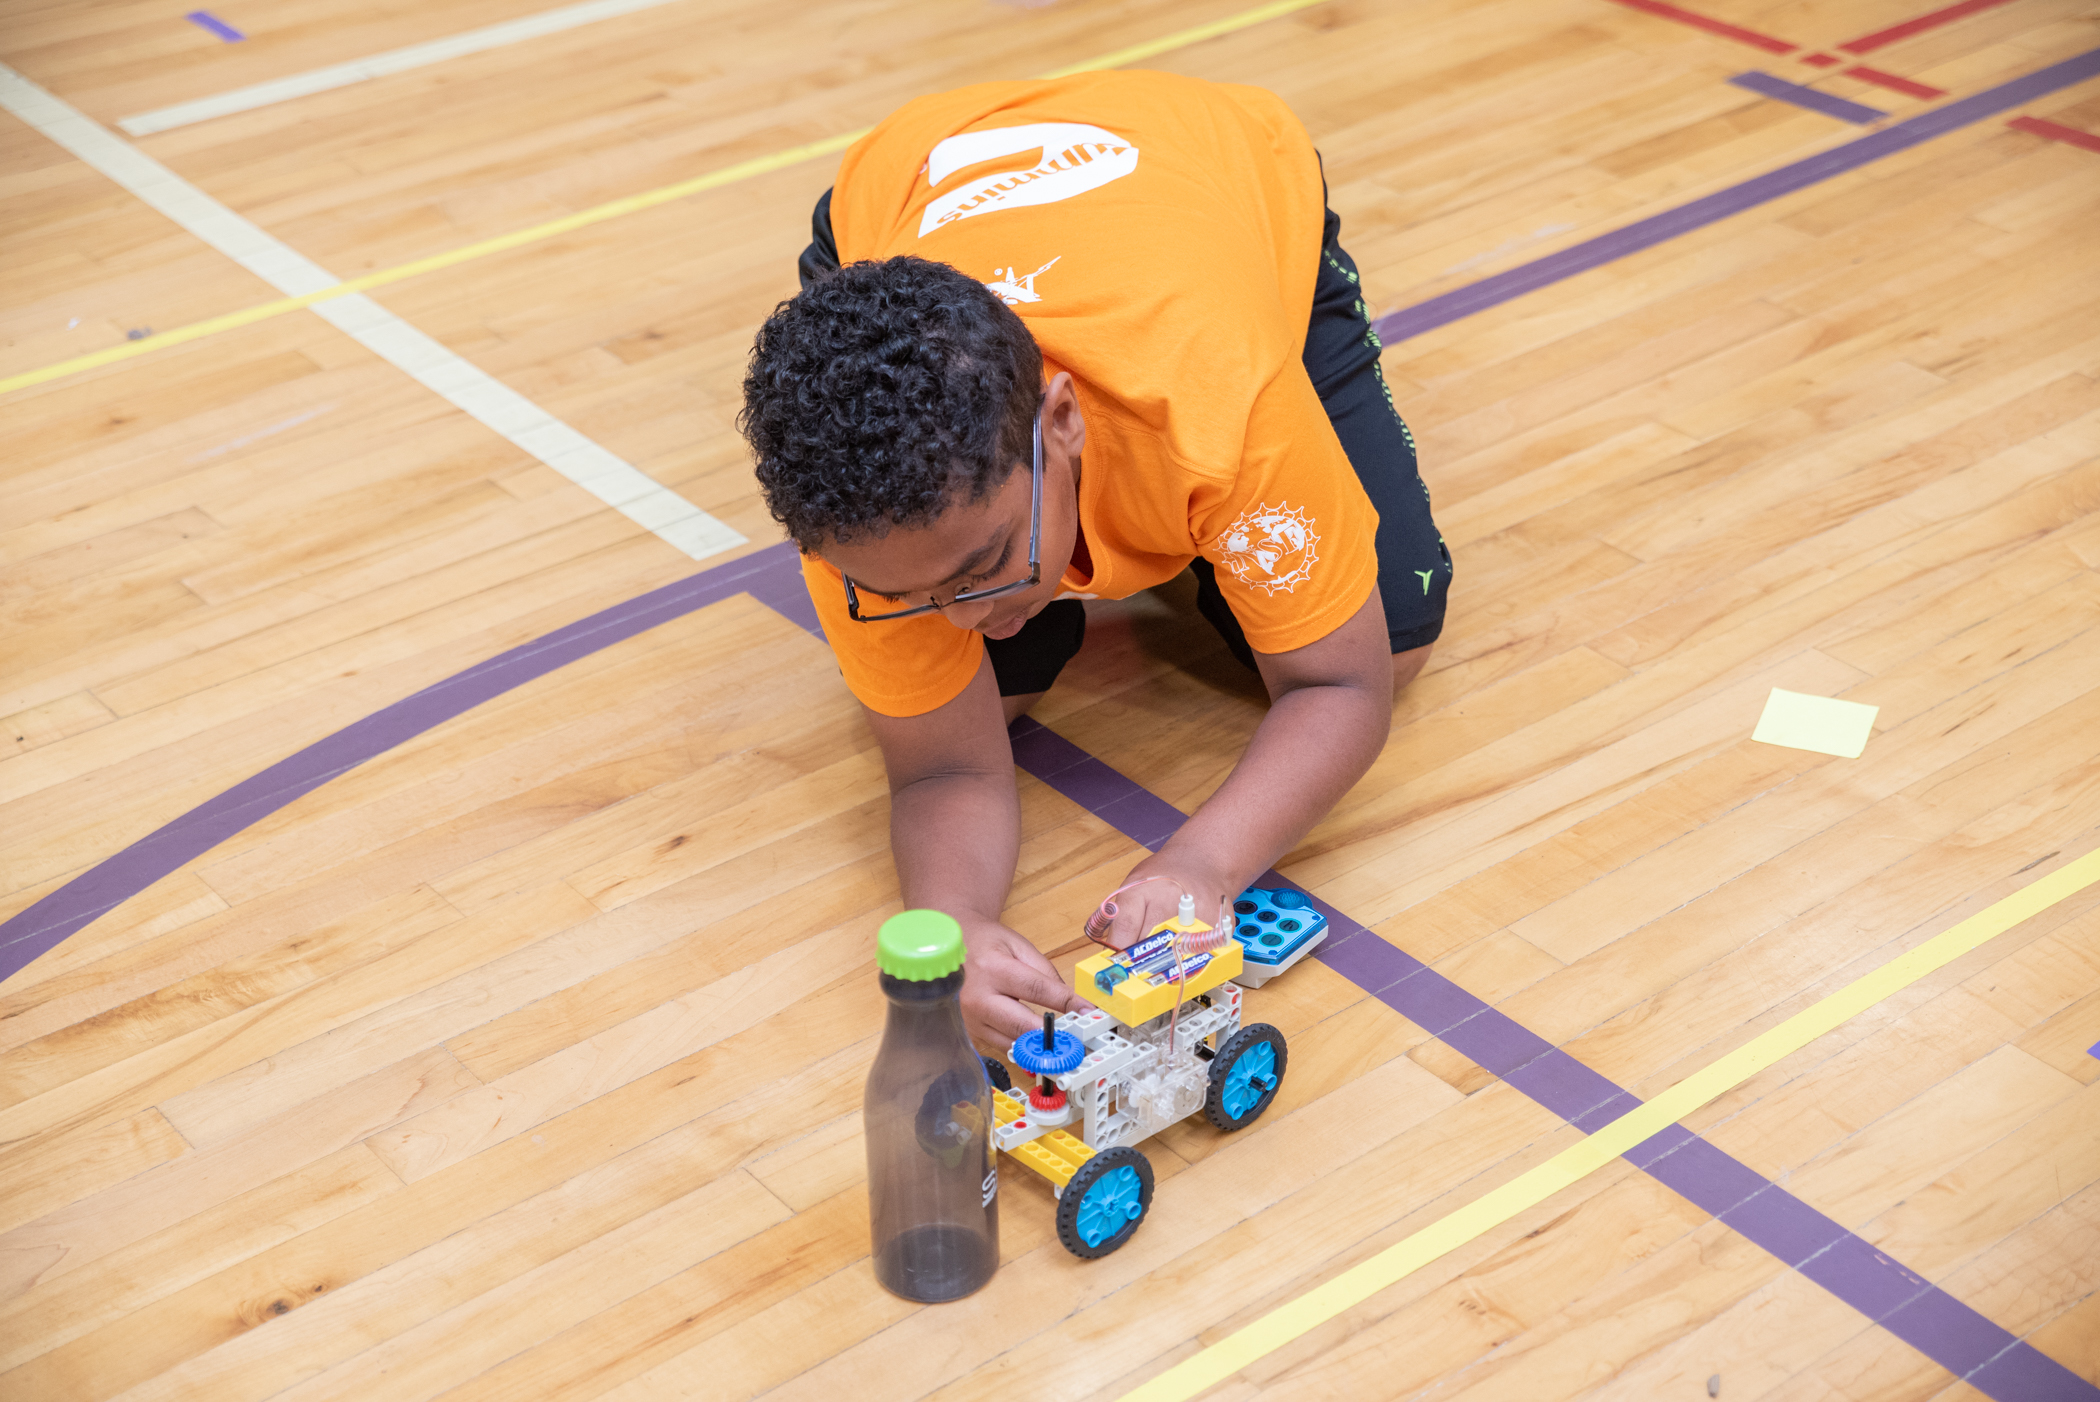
[{"x": 1065, "y": 1054}]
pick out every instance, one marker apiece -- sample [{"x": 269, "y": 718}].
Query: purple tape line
[
  {"x": 205, "y": 19},
  {"x": 1646, "y": 233},
  {"x": 768, "y": 573},
  {"x": 1959, "y": 1339},
  {"x": 1765, "y": 85}
]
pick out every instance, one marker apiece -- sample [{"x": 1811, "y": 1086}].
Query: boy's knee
[{"x": 1408, "y": 665}]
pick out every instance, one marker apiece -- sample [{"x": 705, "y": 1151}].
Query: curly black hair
[{"x": 883, "y": 393}]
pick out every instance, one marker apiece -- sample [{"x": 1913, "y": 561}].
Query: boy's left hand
[{"x": 1138, "y": 910}]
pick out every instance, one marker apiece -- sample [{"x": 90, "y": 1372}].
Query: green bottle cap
[{"x": 919, "y": 944}]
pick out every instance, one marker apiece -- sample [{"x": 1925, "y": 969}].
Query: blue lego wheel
[
  {"x": 1104, "y": 1203},
  {"x": 1244, "y": 1076}
]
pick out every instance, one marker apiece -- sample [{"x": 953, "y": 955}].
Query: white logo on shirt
[
  {"x": 1272, "y": 548},
  {"x": 1012, "y": 290},
  {"x": 1072, "y": 158}
]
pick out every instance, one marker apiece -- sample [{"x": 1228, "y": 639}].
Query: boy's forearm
[
  {"x": 955, "y": 839},
  {"x": 1315, "y": 742}
]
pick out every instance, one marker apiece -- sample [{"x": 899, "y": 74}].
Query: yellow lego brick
[
  {"x": 1055, "y": 1167},
  {"x": 1140, "y": 999},
  {"x": 1057, "y": 1155},
  {"x": 1069, "y": 1147}
]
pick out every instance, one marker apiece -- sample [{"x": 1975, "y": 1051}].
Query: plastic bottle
[{"x": 933, "y": 1181}]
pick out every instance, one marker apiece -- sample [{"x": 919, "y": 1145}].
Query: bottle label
[{"x": 991, "y": 1186}]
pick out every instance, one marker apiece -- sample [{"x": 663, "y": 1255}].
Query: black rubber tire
[
  {"x": 1237, "y": 1046},
  {"x": 1089, "y": 1173},
  {"x": 995, "y": 1071}
]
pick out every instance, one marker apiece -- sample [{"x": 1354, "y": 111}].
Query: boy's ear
[{"x": 1064, "y": 425}]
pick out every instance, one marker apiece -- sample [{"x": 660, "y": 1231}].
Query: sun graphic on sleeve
[{"x": 1271, "y": 548}]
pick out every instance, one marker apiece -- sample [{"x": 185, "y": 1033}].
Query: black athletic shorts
[{"x": 1341, "y": 355}]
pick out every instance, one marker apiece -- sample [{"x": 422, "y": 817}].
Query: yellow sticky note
[{"x": 1820, "y": 723}]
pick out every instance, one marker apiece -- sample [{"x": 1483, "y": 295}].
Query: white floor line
[
  {"x": 342, "y": 75},
  {"x": 636, "y": 495}
]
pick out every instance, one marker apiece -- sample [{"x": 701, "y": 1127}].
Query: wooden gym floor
[{"x": 522, "y": 1059}]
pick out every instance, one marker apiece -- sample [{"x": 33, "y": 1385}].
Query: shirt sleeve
[
  {"x": 906, "y": 668},
  {"x": 1293, "y": 537}
]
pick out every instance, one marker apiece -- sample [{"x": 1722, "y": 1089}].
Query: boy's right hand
[{"x": 1002, "y": 976}]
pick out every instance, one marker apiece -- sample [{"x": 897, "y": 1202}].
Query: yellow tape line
[
  {"x": 744, "y": 170},
  {"x": 598, "y": 214},
  {"x": 1277, "y": 1328},
  {"x": 1181, "y": 39}
]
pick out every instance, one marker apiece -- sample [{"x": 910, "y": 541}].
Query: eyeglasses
[{"x": 971, "y": 596}]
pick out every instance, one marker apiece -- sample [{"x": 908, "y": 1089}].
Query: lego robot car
[{"x": 1106, "y": 1079}]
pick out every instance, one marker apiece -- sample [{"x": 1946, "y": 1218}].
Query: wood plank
[
  {"x": 42, "y": 1178},
  {"x": 1888, "y": 1160},
  {"x": 54, "y": 720},
  {"x": 137, "y": 1207},
  {"x": 603, "y": 1273},
  {"x": 64, "y": 1057},
  {"x": 669, "y": 1032},
  {"x": 64, "y": 1304}
]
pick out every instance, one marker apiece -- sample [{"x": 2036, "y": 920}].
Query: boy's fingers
[
  {"x": 1062, "y": 999},
  {"x": 1027, "y": 976},
  {"x": 1048, "y": 988},
  {"x": 1131, "y": 923},
  {"x": 1035, "y": 961},
  {"x": 1052, "y": 995},
  {"x": 1151, "y": 913},
  {"x": 1047, "y": 991},
  {"x": 1015, "y": 1020},
  {"x": 1005, "y": 1018}
]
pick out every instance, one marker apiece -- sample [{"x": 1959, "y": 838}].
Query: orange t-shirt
[{"x": 1160, "y": 235}]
